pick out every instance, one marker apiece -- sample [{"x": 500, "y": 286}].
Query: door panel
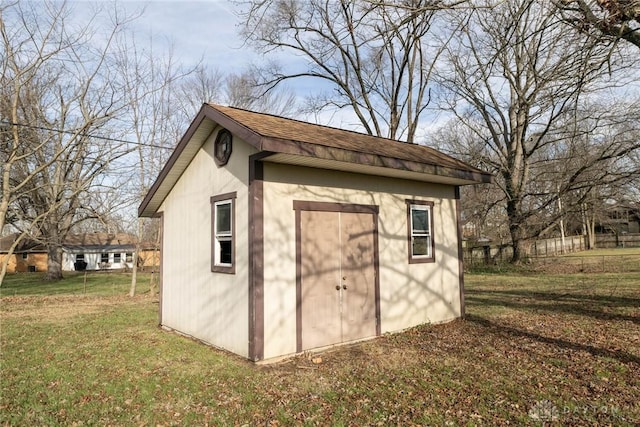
[
  {"x": 320, "y": 242},
  {"x": 337, "y": 277},
  {"x": 358, "y": 275}
]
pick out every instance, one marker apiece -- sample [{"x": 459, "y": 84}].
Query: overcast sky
[
  {"x": 207, "y": 30},
  {"x": 203, "y": 28}
]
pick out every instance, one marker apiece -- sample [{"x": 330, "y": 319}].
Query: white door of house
[{"x": 338, "y": 274}]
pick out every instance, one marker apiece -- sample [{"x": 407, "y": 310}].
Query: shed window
[
  {"x": 104, "y": 258},
  {"x": 420, "y": 231},
  {"x": 129, "y": 257},
  {"x": 117, "y": 258},
  {"x": 223, "y": 233},
  {"x": 79, "y": 257},
  {"x": 25, "y": 255}
]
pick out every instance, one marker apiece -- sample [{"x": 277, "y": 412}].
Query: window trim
[
  {"x": 420, "y": 259},
  {"x": 215, "y": 201}
]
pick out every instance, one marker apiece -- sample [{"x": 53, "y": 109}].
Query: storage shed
[{"x": 280, "y": 236}]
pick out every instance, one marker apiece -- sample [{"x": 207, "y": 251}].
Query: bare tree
[
  {"x": 602, "y": 140},
  {"x": 160, "y": 101},
  {"x": 245, "y": 90},
  {"x": 608, "y": 19},
  {"x": 203, "y": 85},
  {"x": 164, "y": 97},
  {"x": 375, "y": 58},
  {"x": 22, "y": 57},
  {"x": 516, "y": 79},
  {"x": 59, "y": 95},
  {"x": 483, "y": 212}
]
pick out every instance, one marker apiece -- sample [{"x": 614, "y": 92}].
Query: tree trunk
[
  {"x": 3, "y": 267},
  {"x": 562, "y": 232},
  {"x": 588, "y": 225},
  {"x": 155, "y": 279},
  {"x": 134, "y": 272},
  {"x": 54, "y": 262},
  {"x": 592, "y": 232},
  {"x": 515, "y": 230},
  {"x": 517, "y": 249}
]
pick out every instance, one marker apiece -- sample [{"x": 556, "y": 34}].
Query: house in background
[
  {"x": 619, "y": 218},
  {"x": 28, "y": 256},
  {"x": 86, "y": 251},
  {"x": 98, "y": 251},
  {"x": 281, "y": 236}
]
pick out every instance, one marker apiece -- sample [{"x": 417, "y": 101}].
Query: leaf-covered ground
[{"x": 533, "y": 350}]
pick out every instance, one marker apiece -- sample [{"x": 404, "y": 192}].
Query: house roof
[
  {"x": 25, "y": 245},
  {"x": 295, "y": 142},
  {"x": 76, "y": 242},
  {"x": 89, "y": 241}
]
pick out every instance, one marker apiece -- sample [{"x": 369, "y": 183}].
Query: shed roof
[{"x": 295, "y": 142}]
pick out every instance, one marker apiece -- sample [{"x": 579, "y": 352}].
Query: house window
[
  {"x": 420, "y": 231},
  {"x": 129, "y": 257},
  {"x": 223, "y": 233},
  {"x": 79, "y": 257},
  {"x": 117, "y": 258},
  {"x": 104, "y": 258},
  {"x": 25, "y": 255}
]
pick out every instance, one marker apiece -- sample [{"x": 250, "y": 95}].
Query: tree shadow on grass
[
  {"x": 510, "y": 332},
  {"x": 594, "y": 306}
]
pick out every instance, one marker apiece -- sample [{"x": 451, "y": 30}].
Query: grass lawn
[
  {"x": 552, "y": 349},
  {"x": 96, "y": 283},
  {"x": 594, "y": 261}
]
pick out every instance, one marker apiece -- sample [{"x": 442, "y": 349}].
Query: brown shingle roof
[
  {"x": 100, "y": 240},
  {"x": 292, "y": 141},
  {"x": 25, "y": 245},
  {"x": 274, "y": 127},
  {"x": 75, "y": 241}
]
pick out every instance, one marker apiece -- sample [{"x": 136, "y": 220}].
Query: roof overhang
[
  {"x": 99, "y": 248},
  {"x": 188, "y": 146},
  {"x": 380, "y": 166},
  {"x": 298, "y": 153}
]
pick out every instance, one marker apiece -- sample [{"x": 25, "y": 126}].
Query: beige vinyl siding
[
  {"x": 410, "y": 294},
  {"x": 210, "y": 306}
]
